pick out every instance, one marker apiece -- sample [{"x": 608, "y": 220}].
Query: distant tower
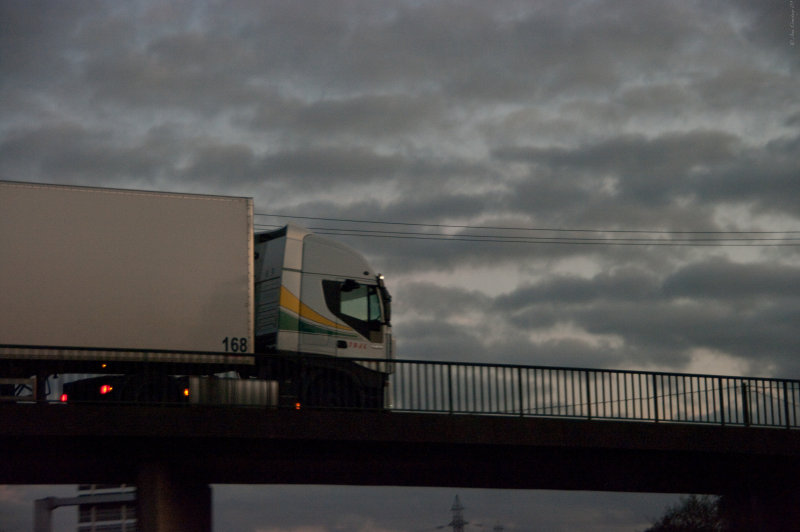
[{"x": 458, "y": 516}]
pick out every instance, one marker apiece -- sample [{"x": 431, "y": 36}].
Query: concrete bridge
[{"x": 173, "y": 453}]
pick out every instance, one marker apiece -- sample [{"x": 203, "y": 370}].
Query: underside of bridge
[{"x": 174, "y": 453}]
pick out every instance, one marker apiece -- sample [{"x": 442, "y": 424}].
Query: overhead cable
[
  {"x": 508, "y": 228},
  {"x": 573, "y": 240}
]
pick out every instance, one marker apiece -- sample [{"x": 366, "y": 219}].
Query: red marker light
[
  {"x": 186, "y": 392},
  {"x": 104, "y": 389},
  {"x": 64, "y": 398},
  {"x": 297, "y": 406}
]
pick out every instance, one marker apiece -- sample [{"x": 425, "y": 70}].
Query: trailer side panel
[{"x": 90, "y": 267}]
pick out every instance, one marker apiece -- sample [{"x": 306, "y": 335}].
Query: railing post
[
  {"x": 721, "y": 402},
  {"x": 588, "y": 396},
  {"x": 450, "y": 387},
  {"x": 786, "y": 404},
  {"x": 655, "y": 398},
  {"x": 745, "y": 405},
  {"x": 521, "y": 393}
]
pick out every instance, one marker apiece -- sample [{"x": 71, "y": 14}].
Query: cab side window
[{"x": 357, "y": 305}]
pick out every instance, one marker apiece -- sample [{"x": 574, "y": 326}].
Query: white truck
[{"x": 151, "y": 291}]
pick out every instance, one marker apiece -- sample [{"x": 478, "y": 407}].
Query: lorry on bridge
[{"x": 154, "y": 294}]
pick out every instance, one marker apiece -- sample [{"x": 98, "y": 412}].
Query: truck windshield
[{"x": 357, "y": 305}]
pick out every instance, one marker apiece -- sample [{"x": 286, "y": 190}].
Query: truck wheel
[
  {"x": 149, "y": 389},
  {"x": 333, "y": 391}
]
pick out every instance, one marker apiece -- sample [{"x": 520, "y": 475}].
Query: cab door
[
  {"x": 316, "y": 329},
  {"x": 357, "y": 306}
]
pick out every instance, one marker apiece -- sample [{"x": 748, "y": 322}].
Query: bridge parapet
[
  {"x": 485, "y": 389},
  {"x": 543, "y": 391}
]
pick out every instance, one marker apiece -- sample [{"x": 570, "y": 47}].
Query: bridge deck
[{"x": 82, "y": 443}]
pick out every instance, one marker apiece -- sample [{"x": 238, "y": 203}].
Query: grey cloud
[
  {"x": 76, "y": 154},
  {"x": 466, "y": 50},
  {"x": 553, "y": 50},
  {"x": 330, "y": 165},
  {"x": 793, "y": 120},
  {"x": 737, "y": 312},
  {"x": 766, "y": 177},
  {"x": 426, "y": 207},
  {"x": 419, "y": 255},
  {"x": 762, "y": 88},
  {"x": 427, "y": 339},
  {"x": 647, "y": 170},
  {"x": 659, "y": 98},
  {"x": 578, "y": 353},
  {"x": 626, "y": 284},
  {"x": 140, "y": 80},
  {"x": 332, "y": 120},
  {"x": 232, "y": 162},
  {"x": 766, "y": 25},
  {"x": 724, "y": 280},
  {"x": 707, "y": 167},
  {"x": 442, "y": 303},
  {"x": 432, "y": 202},
  {"x": 631, "y": 153},
  {"x": 661, "y": 324},
  {"x": 32, "y": 36},
  {"x": 65, "y": 147},
  {"x": 550, "y": 195},
  {"x": 331, "y": 168},
  {"x": 667, "y": 331},
  {"x": 439, "y": 340}
]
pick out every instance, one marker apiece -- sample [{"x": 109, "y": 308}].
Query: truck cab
[{"x": 316, "y": 296}]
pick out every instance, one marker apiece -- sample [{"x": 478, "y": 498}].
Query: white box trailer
[
  {"x": 123, "y": 269},
  {"x": 148, "y": 288}
]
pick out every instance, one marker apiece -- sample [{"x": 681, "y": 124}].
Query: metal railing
[
  {"x": 511, "y": 390},
  {"x": 436, "y": 387}
]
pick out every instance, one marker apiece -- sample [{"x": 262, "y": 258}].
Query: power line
[
  {"x": 509, "y": 228},
  {"x": 524, "y": 239},
  {"x": 598, "y": 241},
  {"x": 718, "y": 241}
]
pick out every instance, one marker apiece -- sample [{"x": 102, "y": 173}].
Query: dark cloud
[
  {"x": 628, "y": 317},
  {"x": 319, "y": 165},
  {"x": 232, "y": 162},
  {"x": 73, "y": 153},
  {"x": 761, "y": 339},
  {"x": 33, "y": 38},
  {"x": 693, "y": 168},
  {"x": 327, "y": 121},
  {"x": 650, "y": 171},
  {"x": 765, "y": 177},
  {"x": 625, "y": 284},
  {"x": 727, "y": 281}
]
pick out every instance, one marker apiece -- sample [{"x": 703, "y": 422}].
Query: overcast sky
[{"x": 640, "y": 123}]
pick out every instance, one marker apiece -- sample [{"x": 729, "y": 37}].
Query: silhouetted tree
[{"x": 693, "y": 514}]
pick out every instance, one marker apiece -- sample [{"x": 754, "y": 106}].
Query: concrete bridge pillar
[{"x": 170, "y": 501}]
